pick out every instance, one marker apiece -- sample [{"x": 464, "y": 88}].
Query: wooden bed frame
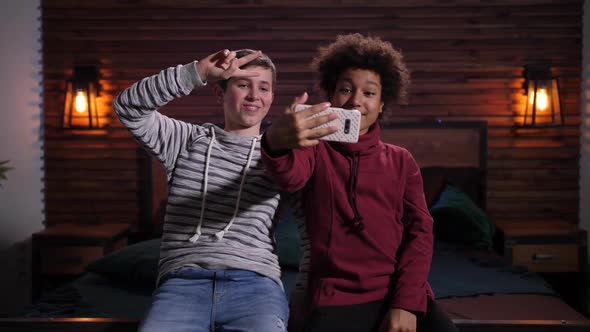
[
  {"x": 446, "y": 144},
  {"x": 131, "y": 325}
]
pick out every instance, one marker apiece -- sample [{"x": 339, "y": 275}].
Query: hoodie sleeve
[
  {"x": 415, "y": 253},
  {"x": 289, "y": 169},
  {"x": 137, "y": 108}
]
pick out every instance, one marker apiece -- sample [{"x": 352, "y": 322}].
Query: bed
[{"x": 474, "y": 285}]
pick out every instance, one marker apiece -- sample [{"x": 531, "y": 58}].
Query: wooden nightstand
[
  {"x": 63, "y": 251},
  {"x": 555, "y": 249}
]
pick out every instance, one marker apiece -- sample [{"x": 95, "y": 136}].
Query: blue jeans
[{"x": 201, "y": 300}]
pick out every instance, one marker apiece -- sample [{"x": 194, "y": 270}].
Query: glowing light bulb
[
  {"x": 80, "y": 102},
  {"x": 542, "y": 99}
]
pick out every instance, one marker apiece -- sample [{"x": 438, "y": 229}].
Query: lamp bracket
[
  {"x": 86, "y": 74},
  {"x": 537, "y": 71}
]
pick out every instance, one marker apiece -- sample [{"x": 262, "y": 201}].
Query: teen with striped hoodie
[{"x": 218, "y": 269}]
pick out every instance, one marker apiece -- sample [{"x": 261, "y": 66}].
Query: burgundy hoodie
[{"x": 366, "y": 217}]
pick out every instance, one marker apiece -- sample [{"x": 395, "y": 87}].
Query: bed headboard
[
  {"x": 152, "y": 196},
  {"x": 451, "y": 151}
]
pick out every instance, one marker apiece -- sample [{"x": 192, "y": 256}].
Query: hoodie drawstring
[
  {"x": 195, "y": 237},
  {"x": 356, "y": 223},
  {"x": 219, "y": 235}
]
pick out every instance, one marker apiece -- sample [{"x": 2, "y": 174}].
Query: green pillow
[
  {"x": 458, "y": 219},
  {"x": 288, "y": 242},
  {"x": 136, "y": 264}
]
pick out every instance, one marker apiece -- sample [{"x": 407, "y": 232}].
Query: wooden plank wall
[{"x": 467, "y": 59}]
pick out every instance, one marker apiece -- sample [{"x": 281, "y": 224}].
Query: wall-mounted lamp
[
  {"x": 543, "y": 107},
  {"x": 81, "y": 111}
]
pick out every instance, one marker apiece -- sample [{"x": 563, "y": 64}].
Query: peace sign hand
[{"x": 224, "y": 64}]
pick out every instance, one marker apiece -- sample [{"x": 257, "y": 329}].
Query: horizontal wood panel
[
  {"x": 92, "y": 218},
  {"x": 514, "y": 185},
  {"x": 444, "y": 8},
  {"x": 466, "y": 57}
]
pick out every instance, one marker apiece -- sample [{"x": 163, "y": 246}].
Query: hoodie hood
[{"x": 366, "y": 145}]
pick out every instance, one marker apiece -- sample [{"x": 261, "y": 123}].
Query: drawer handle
[{"x": 545, "y": 257}]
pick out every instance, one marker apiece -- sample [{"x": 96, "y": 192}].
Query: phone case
[{"x": 348, "y": 123}]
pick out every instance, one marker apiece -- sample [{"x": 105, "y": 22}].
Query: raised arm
[
  {"x": 137, "y": 108},
  {"x": 288, "y": 144},
  {"x": 137, "y": 105}
]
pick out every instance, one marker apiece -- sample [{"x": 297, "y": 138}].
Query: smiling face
[
  {"x": 246, "y": 101},
  {"x": 359, "y": 89}
]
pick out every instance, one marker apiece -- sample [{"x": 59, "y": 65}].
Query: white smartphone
[{"x": 348, "y": 123}]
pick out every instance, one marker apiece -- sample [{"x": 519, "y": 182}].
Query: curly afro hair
[{"x": 360, "y": 52}]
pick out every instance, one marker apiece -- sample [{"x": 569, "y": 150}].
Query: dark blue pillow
[
  {"x": 136, "y": 264},
  {"x": 458, "y": 219}
]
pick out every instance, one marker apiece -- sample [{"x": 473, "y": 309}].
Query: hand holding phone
[{"x": 348, "y": 123}]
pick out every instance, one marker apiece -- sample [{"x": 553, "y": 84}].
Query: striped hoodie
[{"x": 222, "y": 207}]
